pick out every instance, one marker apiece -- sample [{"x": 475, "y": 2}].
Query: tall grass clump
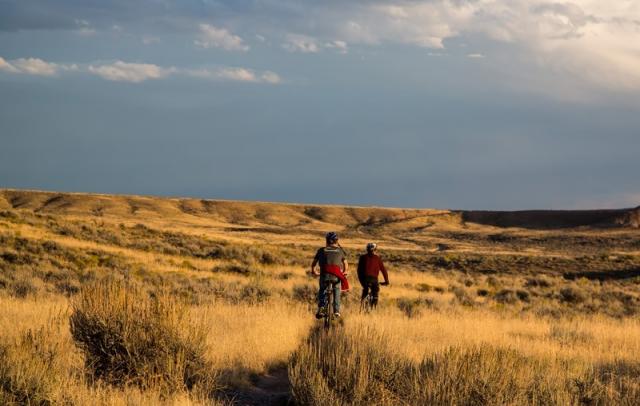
[
  {"x": 358, "y": 366},
  {"x": 31, "y": 368},
  {"x": 130, "y": 337},
  {"x": 336, "y": 369}
]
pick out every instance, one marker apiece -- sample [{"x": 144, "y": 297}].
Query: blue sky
[{"x": 452, "y": 104}]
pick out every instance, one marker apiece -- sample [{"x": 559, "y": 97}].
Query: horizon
[
  {"x": 507, "y": 105},
  {"x": 309, "y": 204}
]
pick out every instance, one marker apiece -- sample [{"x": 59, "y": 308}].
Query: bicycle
[
  {"x": 368, "y": 304},
  {"x": 328, "y": 305}
]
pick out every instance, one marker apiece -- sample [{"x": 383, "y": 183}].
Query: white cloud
[
  {"x": 591, "y": 41},
  {"x": 33, "y": 66},
  {"x": 137, "y": 72},
  {"x": 6, "y": 66},
  {"x": 213, "y": 37},
  {"x": 235, "y": 74},
  {"x": 130, "y": 72},
  {"x": 340, "y": 46},
  {"x": 238, "y": 74},
  {"x": 271, "y": 77},
  {"x": 301, "y": 43},
  {"x": 475, "y": 56},
  {"x": 586, "y": 45},
  {"x": 309, "y": 45}
]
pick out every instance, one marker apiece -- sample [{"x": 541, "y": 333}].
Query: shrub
[
  {"x": 23, "y": 288},
  {"x": 540, "y": 282},
  {"x": 30, "y": 369},
  {"x": 506, "y": 296},
  {"x": 357, "y": 368},
  {"x": 129, "y": 337},
  {"x": 255, "y": 291},
  {"x": 413, "y": 307},
  {"x": 338, "y": 369},
  {"x": 305, "y": 293},
  {"x": 572, "y": 295},
  {"x": 462, "y": 296}
]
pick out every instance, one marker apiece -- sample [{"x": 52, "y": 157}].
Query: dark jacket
[{"x": 370, "y": 266}]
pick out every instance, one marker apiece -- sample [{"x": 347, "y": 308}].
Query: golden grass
[{"x": 433, "y": 321}]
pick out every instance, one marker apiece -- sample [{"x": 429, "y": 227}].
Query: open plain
[{"x": 144, "y": 300}]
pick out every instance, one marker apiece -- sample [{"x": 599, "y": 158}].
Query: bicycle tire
[{"x": 328, "y": 314}]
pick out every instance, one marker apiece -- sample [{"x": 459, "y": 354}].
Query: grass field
[{"x": 139, "y": 300}]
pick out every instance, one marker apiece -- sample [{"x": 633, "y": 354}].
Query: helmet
[
  {"x": 372, "y": 246},
  {"x": 332, "y": 237}
]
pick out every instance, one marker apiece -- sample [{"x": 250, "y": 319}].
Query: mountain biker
[
  {"x": 369, "y": 267},
  {"x": 333, "y": 270}
]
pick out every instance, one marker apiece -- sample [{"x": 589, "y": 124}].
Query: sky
[{"x": 463, "y": 104}]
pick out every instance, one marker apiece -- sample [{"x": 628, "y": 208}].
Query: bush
[
  {"x": 506, "y": 296},
  {"x": 255, "y": 292},
  {"x": 23, "y": 288},
  {"x": 572, "y": 295},
  {"x": 338, "y": 369},
  {"x": 30, "y": 369},
  {"x": 305, "y": 293},
  {"x": 413, "y": 307},
  {"x": 357, "y": 368},
  {"x": 129, "y": 337}
]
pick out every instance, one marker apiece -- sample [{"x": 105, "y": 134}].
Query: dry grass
[{"x": 216, "y": 295}]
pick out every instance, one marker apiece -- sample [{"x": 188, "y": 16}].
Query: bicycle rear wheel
[{"x": 328, "y": 311}]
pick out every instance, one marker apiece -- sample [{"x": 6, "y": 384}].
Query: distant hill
[{"x": 256, "y": 214}]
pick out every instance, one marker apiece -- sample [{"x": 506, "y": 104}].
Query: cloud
[
  {"x": 120, "y": 71},
  {"x": 235, "y": 74},
  {"x": 301, "y": 43},
  {"x": 590, "y": 43},
  {"x": 130, "y": 72},
  {"x": 475, "y": 56},
  {"x": 213, "y": 37},
  {"x": 271, "y": 77},
  {"x": 340, "y": 46},
  {"x": 6, "y": 66},
  {"x": 310, "y": 45},
  {"x": 34, "y": 66}
]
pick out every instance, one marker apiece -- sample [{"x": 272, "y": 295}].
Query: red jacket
[
  {"x": 370, "y": 265},
  {"x": 335, "y": 270}
]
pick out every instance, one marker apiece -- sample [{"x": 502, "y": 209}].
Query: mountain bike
[
  {"x": 367, "y": 305},
  {"x": 328, "y": 306}
]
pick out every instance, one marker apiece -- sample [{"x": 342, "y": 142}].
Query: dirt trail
[{"x": 271, "y": 388}]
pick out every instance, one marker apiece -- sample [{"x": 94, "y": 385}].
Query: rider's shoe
[
  {"x": 336, "y": 315},
  {"x": 320, "y": 313}
]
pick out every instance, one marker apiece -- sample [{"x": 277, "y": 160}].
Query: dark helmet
[{"x": 332, "y": 237}]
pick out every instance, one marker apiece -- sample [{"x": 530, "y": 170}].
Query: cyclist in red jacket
[{"x": 369, "y": 267}]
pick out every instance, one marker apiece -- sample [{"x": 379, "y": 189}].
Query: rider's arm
[
  {"x": 345, "y": 266},
  {"x": 313, "y": 266},
  {"x": 384, "y": 272}
]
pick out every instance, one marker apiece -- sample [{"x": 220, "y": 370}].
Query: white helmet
[{"x": 372, "y": 246}]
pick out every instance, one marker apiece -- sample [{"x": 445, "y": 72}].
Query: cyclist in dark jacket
[
  {"x": 369, "y": 267},
  {"x": 333, "y": 270}
]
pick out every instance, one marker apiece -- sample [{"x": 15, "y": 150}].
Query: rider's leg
[
  {"x": 336, "y": 295},
  {"x": 365, "y": 291},
  {"x": 375, "y": 290},
  {"x": 322, "y": 297}
]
